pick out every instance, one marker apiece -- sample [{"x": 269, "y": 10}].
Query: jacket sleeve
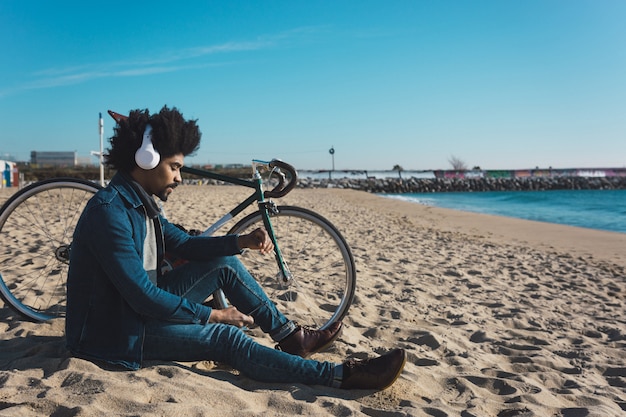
[
  {"x": 114, "y": 247},
  {"x": 197, "y": 248}
]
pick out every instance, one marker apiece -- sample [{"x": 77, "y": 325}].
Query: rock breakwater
[{"x": 432, "y": 185}]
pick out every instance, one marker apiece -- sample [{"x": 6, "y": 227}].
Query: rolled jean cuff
[
  {"x": 283, "y": 331},
  {"x": 337, "y": 376}
]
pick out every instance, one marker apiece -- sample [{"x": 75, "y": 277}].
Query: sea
[{"x": 593, "y": 209}]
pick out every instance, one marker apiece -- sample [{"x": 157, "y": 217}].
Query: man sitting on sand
[{"x": 122, "y": 310}]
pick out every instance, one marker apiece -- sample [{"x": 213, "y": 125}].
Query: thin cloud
[
  {"x": 166, "y": 63},
  {"x": 86, "y": 75}
]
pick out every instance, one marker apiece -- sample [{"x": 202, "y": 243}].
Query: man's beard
[{"x": 163, "y": 195}]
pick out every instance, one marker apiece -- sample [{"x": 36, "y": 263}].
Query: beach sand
[{"x": 500, "y": 317}]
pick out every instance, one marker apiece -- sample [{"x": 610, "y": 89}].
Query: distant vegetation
[
  {"x": 31, "y": 173},
  {"x": 42, "y": 173},
  {"x": 457, "y": 163}
]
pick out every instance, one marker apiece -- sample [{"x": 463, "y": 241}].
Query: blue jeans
[{"x": 225, "y": 343}]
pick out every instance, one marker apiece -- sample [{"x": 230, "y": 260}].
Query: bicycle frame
[{"x": 265, "y": 205}]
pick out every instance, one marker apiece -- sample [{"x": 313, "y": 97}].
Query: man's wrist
[{"x": 213, "y": 317}]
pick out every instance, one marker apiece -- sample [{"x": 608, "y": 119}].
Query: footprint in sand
[
  {"x": 616, "y": 377},
  {"x": 426, "y": 339}
]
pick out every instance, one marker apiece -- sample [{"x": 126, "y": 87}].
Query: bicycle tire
[
  {"x": 36, "y": 228},
  {"x": 319, "y": 258}
]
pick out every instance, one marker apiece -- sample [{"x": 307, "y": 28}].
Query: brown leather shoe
[
  {"x": 377, "y": 373},
  {"x": 304, "y": 341}
]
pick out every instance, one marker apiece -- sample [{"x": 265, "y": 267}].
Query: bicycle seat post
[{"x": 258, "y": 179}]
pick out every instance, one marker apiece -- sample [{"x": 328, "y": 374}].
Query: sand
[{"x": 500, "y": 317}]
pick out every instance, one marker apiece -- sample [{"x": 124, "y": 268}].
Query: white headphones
[{"x": 146, "y": 156}]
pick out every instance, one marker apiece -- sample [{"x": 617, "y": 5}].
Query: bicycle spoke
[
  {"x": 321, "y": 284},
  {"x": 35, "y": 228}
]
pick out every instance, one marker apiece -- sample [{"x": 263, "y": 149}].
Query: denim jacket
[{"x": 109, "y": 293}]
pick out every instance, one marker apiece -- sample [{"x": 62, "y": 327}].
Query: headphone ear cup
[{"x": 146, "y": 156}]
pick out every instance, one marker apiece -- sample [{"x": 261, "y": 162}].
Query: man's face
[{"x": 162, "y": 180}]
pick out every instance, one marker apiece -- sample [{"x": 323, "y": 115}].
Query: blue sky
[{"x": 498, "y": 84}]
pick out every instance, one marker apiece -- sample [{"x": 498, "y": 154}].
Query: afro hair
[{"x": 171, "y": 134}]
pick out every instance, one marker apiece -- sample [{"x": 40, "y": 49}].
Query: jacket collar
[{"x": 134, "y": 194}]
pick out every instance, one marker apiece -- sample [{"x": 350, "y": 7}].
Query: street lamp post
[
  {"x": 101, "y": 131},
  {"x": 331, "y": 151},
  {"x": 100, "y": 154}
]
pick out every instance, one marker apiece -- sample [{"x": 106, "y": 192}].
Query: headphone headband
[{"x": 146, "y": 156}]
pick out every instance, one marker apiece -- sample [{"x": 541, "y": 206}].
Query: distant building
[{"x": 62, "y": 159}]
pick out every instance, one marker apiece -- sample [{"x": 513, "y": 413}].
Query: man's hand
[
  {"x": 232, "y": 316},
  {"x": 258, "y": 239}
]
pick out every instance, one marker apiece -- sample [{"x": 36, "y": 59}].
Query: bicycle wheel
[
  {"x": 36, "y": 227},
  {"x": 320, "y": 261}
]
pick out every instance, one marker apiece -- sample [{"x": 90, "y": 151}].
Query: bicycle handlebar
[{"x": 281, "y": 190}]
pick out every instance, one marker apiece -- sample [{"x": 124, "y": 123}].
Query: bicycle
[{"x": 312, "y": 278}]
